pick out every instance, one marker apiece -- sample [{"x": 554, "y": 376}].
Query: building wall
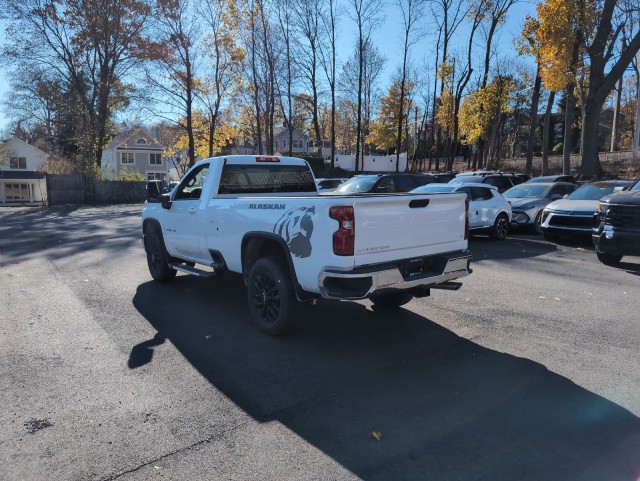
[{"x": 34, "y": 156}]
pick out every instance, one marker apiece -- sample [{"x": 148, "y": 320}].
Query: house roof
[
  {"x": 20, "y": 141},
  {"x": 21, "y": 174},
  {"x": 129, "y": 140}
]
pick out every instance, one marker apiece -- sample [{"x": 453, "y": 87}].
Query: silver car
[{"x": 529, "y": 199}]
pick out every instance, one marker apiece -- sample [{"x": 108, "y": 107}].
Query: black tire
[
  {"x": 157, "y": 259},
  {"x": 271, "y": 297},
  {"x": 389, "y": 301},
  {"x": 537, "y": 223},
  {"x": 500, "y": 228},
  {"x": 608, "y": 259}
]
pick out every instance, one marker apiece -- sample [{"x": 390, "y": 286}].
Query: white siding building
[{"x": 20, "y": 181}]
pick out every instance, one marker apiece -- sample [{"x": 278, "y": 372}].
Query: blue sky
[{"x": 387, "y": 38}]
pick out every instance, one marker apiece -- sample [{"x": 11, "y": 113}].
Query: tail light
[
  {"x": 267, "y": 158},
  {"x": 343, "y": 238},
  {"x": 466, "y": 219}
]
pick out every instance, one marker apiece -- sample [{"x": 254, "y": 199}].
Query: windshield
[
  {"x": 466, "y": 179},
  {"x": 358, "y": 184},
  {"x": 591, "y": 192},
  {"x": 635, "y": 186},
  {"x": 526, "y": 191},
  {"x": 434, "y": 188}
]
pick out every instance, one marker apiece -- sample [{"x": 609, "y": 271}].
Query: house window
[
  {"x": 18, "y": 163},
  {"x": 155, "y": 159},
  {"x": 310, "y": 144},
  {"x": 298, "y": 144},
  {"x": 126, "y": 158},
  {"x": 155, "y": 176},
  {"x": 141, "y": 141}
]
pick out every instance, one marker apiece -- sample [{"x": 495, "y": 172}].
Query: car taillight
[
  {"x": 266, "y": 158},
  {"x": 343, "y": 238},
  {"x": 466, "y": 219}
]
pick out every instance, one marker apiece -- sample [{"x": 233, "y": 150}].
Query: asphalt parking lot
[{"x": 531, "y": 371}]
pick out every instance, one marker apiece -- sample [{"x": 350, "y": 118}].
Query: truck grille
[{"x": 624, "y": 216}]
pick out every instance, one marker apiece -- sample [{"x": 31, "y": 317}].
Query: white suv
[{"x": 489, "y": 212}]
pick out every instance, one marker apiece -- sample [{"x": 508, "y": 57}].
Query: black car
[
  {"x": 553, "y": 178},
  {"x": 501, "y": 180},
  {"x": 616, "y": 225},
  {"x": 383, "y": 183}
]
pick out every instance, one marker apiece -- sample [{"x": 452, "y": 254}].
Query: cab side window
[{"x": 191, "y": 186}]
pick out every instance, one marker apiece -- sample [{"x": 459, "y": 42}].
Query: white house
[
  {"x": 301, "y": 143},
  {"x": 20, "y": 180},
  {"x": 136, "y": 150}
]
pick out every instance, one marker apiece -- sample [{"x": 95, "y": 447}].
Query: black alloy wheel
[
  {"x": 271, "y": 297},
  {"x": 157, "y": 259}
]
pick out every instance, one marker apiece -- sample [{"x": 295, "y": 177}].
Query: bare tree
[
  {"x": 329, "y": 22},
  {"x": 226, "y": 57},
  {"x": 365, "y": 14},
  {"x": 411, "y": 11},
  {"x": 173, "y": 71}
]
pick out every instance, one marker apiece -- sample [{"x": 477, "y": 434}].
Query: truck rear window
[{"x": 262, "y": 179}]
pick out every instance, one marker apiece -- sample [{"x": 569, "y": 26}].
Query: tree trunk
[
  {"x": 636, "y": 135},
  {"x": 545, "y": 134},
  {"x": 590, "y": 122},
  {"x": 568, "y": 130},
  {"x": 533, "y": 122}
]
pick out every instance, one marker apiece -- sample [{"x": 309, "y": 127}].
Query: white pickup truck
[{"x": 262, "y": 217}]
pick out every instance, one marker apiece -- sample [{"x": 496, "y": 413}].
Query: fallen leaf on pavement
[{"x": 376, "y": 435}]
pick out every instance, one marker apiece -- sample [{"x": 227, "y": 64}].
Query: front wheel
[
  {"x": 271, "y": 297},
  {"x": 388, "y": 301},
  {"x": 537, "y": 224},
  {"x": 500, "y": 228},
  {"x": 157, "y": 259},
  {"x": 608, "y": 259}
]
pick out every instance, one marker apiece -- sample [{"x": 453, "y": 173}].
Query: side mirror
[
  {"x": 166, "y": 201},
  {"x": 154, "y": 190},
  {"x": 565, "y": 196}
]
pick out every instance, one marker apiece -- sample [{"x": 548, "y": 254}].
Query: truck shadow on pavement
[{"x": 446, "y": 407}]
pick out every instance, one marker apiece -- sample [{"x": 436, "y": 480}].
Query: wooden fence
[{"x": 85, "y": 189}]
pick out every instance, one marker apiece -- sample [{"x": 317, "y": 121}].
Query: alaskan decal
[
  {"x": 267, "y": 206},
  {"x": 295, "y": 227}
]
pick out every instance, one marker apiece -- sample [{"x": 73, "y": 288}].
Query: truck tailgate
[{"x": 396, "y": 227}]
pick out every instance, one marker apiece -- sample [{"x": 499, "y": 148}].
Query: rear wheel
[
  {"x": 608, "y": 259},
  {"x": 271, "y": 297},
  {"x": 500, "y": 228},
  {"x": 388, "y": 301},
  {"x": 157, "y": 258}
]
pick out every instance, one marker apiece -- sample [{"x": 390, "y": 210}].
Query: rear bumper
[
  {"x": 401, "y": 275},
  {"x": 608, "y": 240}
]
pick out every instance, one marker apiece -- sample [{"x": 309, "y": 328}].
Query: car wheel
[
  {"x": 608, "y": 259},
  {"x": 500, "y": 227},
  {"x": 271, "y": 297},
  {"x": 157, "y": 259},
  {"x": 388, "y": 301},
  {"x": 537, "y": 223}
]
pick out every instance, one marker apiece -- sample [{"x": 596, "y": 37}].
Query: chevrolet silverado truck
[
  {"x": 616, "y": 225},
  {"x": 262, "y": 217}
]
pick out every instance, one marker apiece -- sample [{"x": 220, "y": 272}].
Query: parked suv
[
  {"x": 502, "y": 181},
  {"x": 383, "y": 183},
  {"x": 616, "y": 225}
]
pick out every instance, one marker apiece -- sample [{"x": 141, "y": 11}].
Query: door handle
[{"x": 191, "y": 210}]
